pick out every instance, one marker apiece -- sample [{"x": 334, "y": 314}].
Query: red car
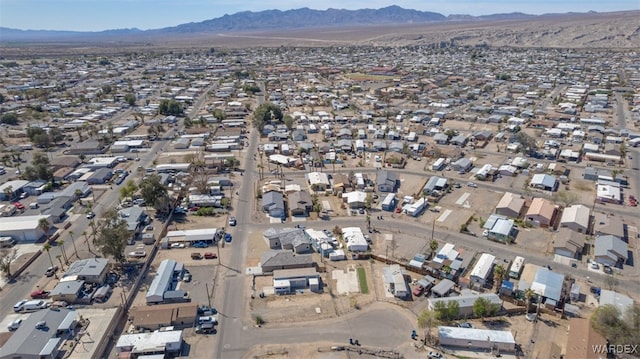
[
  {"x": 19, "y": 205},
  {"x": 210, "y": 255},
  {"x": 417, "y": 291},
  {"x": 40, "y": 294}
]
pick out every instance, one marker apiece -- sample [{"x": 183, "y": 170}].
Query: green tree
[
  {"x": 130, "y": 99},
  {"x": 529, "y": 144},
  {"x": 10, "y": 118},
  {"x": 7, "y": 256},
  {"x": 427, "y": 320},
  {"x": 288, "y": 121},
  {"x": 47, "y": 247},
  {"x": 155, "y": 193},
  {"x": 113, "y": 235},
  {"x": 433, "y": 245},
  {"x": 39, "y": 168},
  {"x": 128, "y": 189},
  {"x": 498, "y": 276},
  {"x": 266, "y": 113},
  {"x": 170, "y": 107},
  {"x": 45, "y": 226},
  {"x": 484, "y": 308}
]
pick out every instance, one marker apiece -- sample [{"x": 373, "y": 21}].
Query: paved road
[{"x": 28, "y": 280}]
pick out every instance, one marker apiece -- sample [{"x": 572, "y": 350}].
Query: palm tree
[
  {"x": 75, "y": 249},
  {"x": 528, "y": 294},
  {"x": 60, "y": 243},
  {"x": 59, "y": 258},
  {"x": 44, "y": 225},
  {"x": 498, "y": 275},
  {"x": 86, "y": 240},
  {"x": 433, "y": 245},
  {"x": 47, "y": 247}
]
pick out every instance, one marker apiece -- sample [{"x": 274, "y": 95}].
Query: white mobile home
[{"x": 482, "y": 269}]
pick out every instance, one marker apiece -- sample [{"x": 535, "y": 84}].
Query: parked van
[
  {"x": 6, "y": 242},
  {"x": 102, "y": 294},
  {"x": 33, "y": 305},
  {"x": 34, "y": 205}
]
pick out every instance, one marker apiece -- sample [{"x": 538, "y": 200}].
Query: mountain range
[
  {"x": 389, "y": 26},
  {"x": 303, "y": 18}
]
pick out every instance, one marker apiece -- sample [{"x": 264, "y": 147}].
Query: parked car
[
  {"x": 196, "y": 255},
  {"x": 232, "y": 221},
  {"x": 19, "y": 205},
  {"x": 51, "y": 271},
  {"x": 607, "y": 270},
  {"x": 466, "y": 325},
  {"x": 594, "y": 265},
  {"x": 137, "y": 254},
  {"x": 186, "y": 278},
  {"x": 177, "y": 245},
  {"x": 227, "y": 237},
  {"x": 14, "y": 325},
  {"x": 18, "y": 306},
  {"x": 90, "y": 215},
  {"x": 39, "y": 294},
  {"x": 200, "y": 245},
  {"x": 210, "y": 255},
  {"x": 204, "y": 309},
  {"x": 434, "y": 355},
  {"x": 417, "y": 291},
  {"x": 472, "y": 185}
]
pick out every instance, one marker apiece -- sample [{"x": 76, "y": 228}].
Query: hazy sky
[{"x": 96, "y": 15}]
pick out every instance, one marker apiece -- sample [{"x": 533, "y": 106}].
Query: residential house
[
  {"x": 273, "y": 203},
  {"x": 340, "y": 183},
  {"x": 434, "y": 185},
  {"x": 355, "y": 199},
  {"x": 462, "y": 165},
  {"x": 548, "y": 285},
  {"x": 608, "y": 192},
  {"x": 459, "y": 140},
  {"x": 541, "y": 213},
  {"x": 568, "y": 243},
  {"x": 387, "y": 181},
  {"x": 466, "y": 301},
  {"x": 319, "y": 181},
  {"x": 511, "y": 205},
  {"x": 610, "y": 250},
  {"x": 576, "y": 217},
  {"x": 544, "y": 182},
  {"x": 355, "y": 239},
  {"x": 394, "y": 281},
  {"x": 604, "y": 224},
  {"x": 288, "y": 239},
  {"x": 500, "y": 228},
  {"x": 300, "y": 203},
  {"x": 440, "y": 138},
  {"x": 277, "y": 260}
]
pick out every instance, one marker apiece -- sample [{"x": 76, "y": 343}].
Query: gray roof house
[
  {"x": 459, "y": 140},
  {"x": 462, "y": 164},
  {"x": 288, "y": 239},
  {"x": 434, "y": 183},
  {"x": 273, "y": 203},
  {"x": 135, "y": 217},
  {"x": 31, "y": 341},
  {"x": 609, "y": 250},
  {"x": 387, "y": 181},
  {"x": 300, "y": 203},
  {"x": 68, "y": 291},
  {"x": 440, "y": 138},
  {"x": 544, "y": 181},
  {"x": 91, "y": 270},
  {"x": 274, "y": 260}
]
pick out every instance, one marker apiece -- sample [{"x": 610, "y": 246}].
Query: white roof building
[
  {"x": 318, "y": 180},
  {"x": 618, "y": 300},
  {"x": 355, "y": 239},
  {"x": 482, "y": 269},
  {"x": 157, "y": 342},
  {"x": 22, "y": 228},
  {"x": 477, "y": 338},
  {"x": 576, "y": 217},
  {"x": 608, "y": 193},
  {"x": 355, "y": 199}
]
